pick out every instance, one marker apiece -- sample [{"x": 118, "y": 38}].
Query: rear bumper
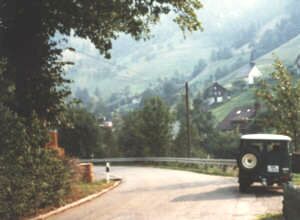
[{"x": 270, "y": 178}]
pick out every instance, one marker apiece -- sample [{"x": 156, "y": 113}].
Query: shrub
[{"x": 31, "y": 176}]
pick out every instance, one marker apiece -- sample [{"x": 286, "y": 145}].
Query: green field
[{"x": 245, "y": 98}]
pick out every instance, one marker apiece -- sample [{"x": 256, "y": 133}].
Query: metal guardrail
[{"x": 200, "y": 161}]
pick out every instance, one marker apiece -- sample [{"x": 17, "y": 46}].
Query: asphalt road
[{"x": 153, "y": 193}]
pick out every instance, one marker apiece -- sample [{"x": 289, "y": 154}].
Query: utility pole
[{"x": 187, "y": 107}]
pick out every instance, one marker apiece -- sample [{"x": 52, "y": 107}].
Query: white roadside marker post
[{"x": 107, "y": 172}]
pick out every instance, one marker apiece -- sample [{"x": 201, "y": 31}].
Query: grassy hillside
[
  {"x": 245, "y": 98},
  {"x": 139, "y": 64},
  {"x": 287, "y": 52}
]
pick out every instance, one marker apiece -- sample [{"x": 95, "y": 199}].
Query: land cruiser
[{"x": 264, "y": 158}]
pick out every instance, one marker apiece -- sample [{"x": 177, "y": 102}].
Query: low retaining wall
[{"x": 291, "y": 202}]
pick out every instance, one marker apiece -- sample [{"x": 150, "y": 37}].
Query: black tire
[
  {"x": 249, "y": 160},
  {"x": 244, "y": 185}
]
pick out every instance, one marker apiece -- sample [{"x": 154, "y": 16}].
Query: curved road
[{"x": 153, "y": 193}]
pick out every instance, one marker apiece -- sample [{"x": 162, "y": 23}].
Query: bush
[
  {"x": 224, "y": 145},
  {"x": 31, "y": 176}
]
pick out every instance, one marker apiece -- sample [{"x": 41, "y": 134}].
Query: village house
[
  {"x": 239, "y": 119},
  {"x": 216, "y": 94}
]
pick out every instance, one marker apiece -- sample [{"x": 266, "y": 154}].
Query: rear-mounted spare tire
[{"x": 249, "y": 159}]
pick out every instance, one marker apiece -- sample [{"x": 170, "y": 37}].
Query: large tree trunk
[{"x": 23, "y": 47}]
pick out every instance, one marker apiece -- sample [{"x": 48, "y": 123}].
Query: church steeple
[{"x": 252, "y": 58}]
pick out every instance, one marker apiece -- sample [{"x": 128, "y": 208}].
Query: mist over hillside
[{"x": 232, "y": 31}]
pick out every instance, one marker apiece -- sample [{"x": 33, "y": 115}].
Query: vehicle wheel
[
  {"x": 249, "y": 159},
  {"x": 244, "y": 185}
]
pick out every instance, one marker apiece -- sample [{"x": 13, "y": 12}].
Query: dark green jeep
[{"x": 264, "y": 158}]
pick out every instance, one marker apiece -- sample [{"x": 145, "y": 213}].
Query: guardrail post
[{"x": 107, "y": 169}]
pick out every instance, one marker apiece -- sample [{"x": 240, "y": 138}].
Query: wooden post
[{"x": 187, "y": 106}]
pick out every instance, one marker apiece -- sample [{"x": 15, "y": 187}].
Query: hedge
[{"x": 31, "y": 176}]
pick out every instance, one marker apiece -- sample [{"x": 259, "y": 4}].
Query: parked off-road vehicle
[{"x": 264, "y": 158}]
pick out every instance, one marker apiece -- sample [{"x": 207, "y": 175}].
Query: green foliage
[
  {"x": 156, "y": 126},
  {"x": 296, "y": 179},
  {"x": 212, "y": 170},
  {"x": 282, "y": 102},
  {"x": 130, "y": 137},
  {"x": 204, "y": 123},
  {"x": 223, "y": 144},
  {"x": 270, "y": 216},
  {"x": 31, "y": 176},
  {"x": 201, "y": 129},
  {"x": 205, "y": 138},
  {"x": 83, "y": 137},
  {"x": 147, "y": 132}
]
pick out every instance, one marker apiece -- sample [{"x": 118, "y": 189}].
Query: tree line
[{"x": 154, "y": 129}]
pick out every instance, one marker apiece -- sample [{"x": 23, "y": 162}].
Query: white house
[
  {"x": 253, "y": 73},
  {"x": 250, "y": 72}
]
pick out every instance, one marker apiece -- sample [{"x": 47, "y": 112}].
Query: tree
[
  {"x": 282, "y": 102},
  {"x": 27, "y": 40},
  {"x": 156, "y": 127},
  {"x": 202, "y": 128},
  {"x": 204, "y": 122},
  {"x": 130, "y": 137},
  {"x": 110, "y": 143},
  {"x": 31, "y": 177},
  {"x": 84, "y": 137},
  {"x": 205, "y": 138},
  {"x": 148, "y": 131}
]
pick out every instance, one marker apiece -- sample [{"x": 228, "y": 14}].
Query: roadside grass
[
  {"x": 82, "y": 189},
  {"x": 270, "y": 217},
  {"x": 78, "y": 191},
  {"x": 203, "y": 169},
  {"x": 211, "y": 170},
  {"x": 296, "y": 179}
]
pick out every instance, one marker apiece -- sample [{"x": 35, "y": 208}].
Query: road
[{"x": 153, "y": 193}]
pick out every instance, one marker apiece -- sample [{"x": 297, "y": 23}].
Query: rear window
[{"x": 267, "y": 146}]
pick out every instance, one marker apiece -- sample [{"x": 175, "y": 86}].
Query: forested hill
[{"x": 233, "y": 30}]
